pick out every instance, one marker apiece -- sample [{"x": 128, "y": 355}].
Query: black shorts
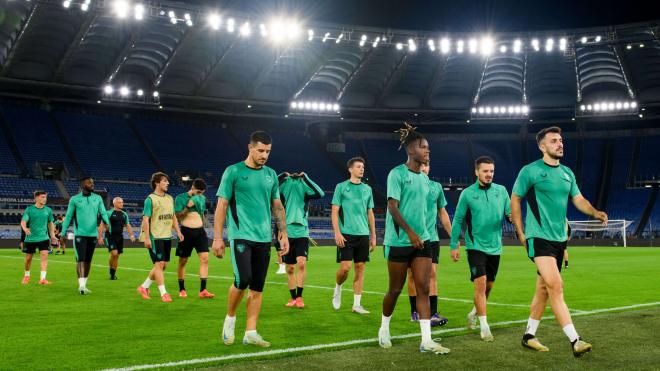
[
  {"x": 250, "y": 261},
  {"x": 160, "y": 250},
  {"x": 115, "y": 243},
  {"x": 540, "y": 247},
  {"x": 482, "y": 264},
  {"x": 23, "y": 235},
  {"x": 192, "y": 238},
  {"x": 84, "y": 248},
  {"x": 406, "y": 254},
  {"x": 297, "y": 247},
  {"x": 356, "y": 249},
  {"x": 31, "y": 247},
  {"x": 435, "y": 251}
]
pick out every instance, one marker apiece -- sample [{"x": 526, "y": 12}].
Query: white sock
[
  {"x": 27, "y": 273},
  {"x": 147, "y": 283},
  {"x": 81, "y": 282},
  {"x": 425, "y": 326},
  {"x": 532, "y": 325},
  {"x": 250, "y": 332},
  {"x": 337, "y": 288},
  {"x": 230, "y": 320},
  {"x": 356, "y": 300},
  {"x": 569, "y": 330},
  {"x": 483, "y": 323},
  {"x": 473, "y": 311},
  {"x": 84, "y": 281},
  {"x": 162, "y": 290},
  {"x": 43, "y": 275},
  {"x": 385, "y": 321}
]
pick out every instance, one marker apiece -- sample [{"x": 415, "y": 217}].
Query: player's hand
[
  {"x": 100, "y": 241},
  {"x": 415, "y": 241},
  {"x": 180, "y": 236},
  {"x": 339, "y": 239},
  {"x": 372, "y": 244},
  {"x": 28, "y": 231},
  {"x": 455, "y": 254},
  {"x": 190, "y": 203},
  {"x": 602, "y": 216},
  {"x": 147, "y": 243},
  {"x": 132, "y": 238},
  {"x": 218, "y": 248},
  {"x": 522, "y": 239},
  {"x": 54, "y": 241},
  {"x": 284, "y": 245}
]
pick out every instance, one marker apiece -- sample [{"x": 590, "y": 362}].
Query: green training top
[
  {"x": 249, "y": 192},
  {"x": 411, "y": 190},
  {"x": 547, "y": 189},
  {"x": 435, "y": 201},
  {"x": 199, "y": 204},
  {"x": 38, "y": 219},
  {"x": 83, "y": 211},
  {"x": 295, "y": 194},
  {"x": 354, "y": 202},
  {"x": 482, "y": 210},
  {"x": 58, "y": 225}
]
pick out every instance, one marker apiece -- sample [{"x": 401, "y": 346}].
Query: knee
[
  {"x": 480, "y": 284},
  {"x": 554, "y": 287},
  {"x": 394, "y": 292},
  {"x": 204, "y": 259},
  {"x": 290, "y": 268},
  {"x": 359, "y": 268},
  {"x": 302, "y": 265},
  {"x": 422, "y": 289},
  {"x": 343, "y": 270},
  {"x": 184, "y": 261}
]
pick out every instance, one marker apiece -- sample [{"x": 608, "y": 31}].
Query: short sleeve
[
  {"x": 180, "y": 203},
  {"x": 507, "y": 202},
  {"x": 226, "y": 188},
  {"x": 148, "y": 208},
  {"x": 523, "y": 183},
  {"x": 336, "y": 197},
  {"x": 442, "y": 201},
  {"x": 26, "y": 215},
  {"x": 275, "y": 189},
  {"x": 394, "y": 185},
  {"x": 126, "y": 220},
  {"x": 574, "y": 187},
  {"x": 370, "y": 201}
]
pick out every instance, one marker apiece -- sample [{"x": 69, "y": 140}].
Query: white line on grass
[
  {"x": 348, "y": 343},
  {"x": 284, "y": 283}
]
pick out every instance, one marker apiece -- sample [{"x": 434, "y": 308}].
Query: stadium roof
[{"x": 89, "y": 51}]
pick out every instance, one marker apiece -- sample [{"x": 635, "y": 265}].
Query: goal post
[{"x": 616, "y": 225}]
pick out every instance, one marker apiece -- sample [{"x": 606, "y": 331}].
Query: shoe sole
[
  {"x": 544, "y": 349},
  {"x": 444, "y": 351},
  {"x": 583, "y": 352}
]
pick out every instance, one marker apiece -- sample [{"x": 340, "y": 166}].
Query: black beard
[{"x": 555, "y": 157}]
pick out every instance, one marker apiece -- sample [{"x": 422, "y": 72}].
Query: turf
[{"x": 55, "y": 327}]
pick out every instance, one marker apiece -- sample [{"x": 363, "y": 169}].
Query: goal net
[{"x": 614, "y": 227}]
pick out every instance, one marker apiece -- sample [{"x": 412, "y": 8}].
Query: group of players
[{"x": 251, "y": 194}]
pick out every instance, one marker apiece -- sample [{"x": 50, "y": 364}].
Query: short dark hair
[
  {"x": 541, "y": 134},
  {"x": 199, "y": 184},
  {"x": 84, "y": 177},
  {"x": 353, "y": 160},
  {"x": 483, "y": 160},
  {"x": 157, "y": 178},
  {"x": 260, "y": 136},
  {"x": 39, "y": 193}
]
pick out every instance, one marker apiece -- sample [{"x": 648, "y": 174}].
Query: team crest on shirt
[
  {"x": 240, "y": 247},
  {"x": 244, "y": 178},
  {"x": 269, "y": 179},
  {"x": 544, "y": 174}
]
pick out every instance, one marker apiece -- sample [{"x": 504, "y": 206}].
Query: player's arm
[
  {"x": 145, "y": 231},
  {"x": 24, "y": 220},
  {"x": 516, "y": 217},
  {"x": 104, "y": 215},
  {"x": 129, "y": 228},
  {"x": 51, "y": 232},
  {"x": 69, "y": 215},
  {"x": 100, "y": 230},
  {"x": 507, "y": 206},
  {"x": 175, "y": 225},
  {"x": 334, "y": 217},
  {"x": 282, "y": 177},
  {"x": 455, "y": 235},
  {"x": 586, "y": 208},
  {"x": 280, "y": 221},
  {"x": 372, "y": 229},
  {"x": 181, "y": 208},
  {"x": 219, "y": 217},
  {"x": 314, "y": 191},
  {"x": 393, "y": 207},
  {"x": 444, "y": 219}
]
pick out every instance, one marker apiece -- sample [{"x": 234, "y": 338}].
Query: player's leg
[
  {"x": 27, "y": 263},
  {"x": 44, "y": 264},
  {"x": 360, "y": 258},
  {"x": 183, "y": 251},
  {"x": 113, "y": 263},
  {"x": 436, "y": 318},
  {"x": 290, "y": 260},
  {"x": 345, "y": 259},
  {"x": 539, "y": 302},
  {"x": 421, "y": 267},
  {"x": 565, "y": 258},
  {"x": 412, "y": 297},
  {"x": 397, "y": 272},
  {"x": 241, "y": 259},
  {"x": 202, "y": 248},
  {"x": 301, "y": 265},
  {"x": 260, "y": 260}
]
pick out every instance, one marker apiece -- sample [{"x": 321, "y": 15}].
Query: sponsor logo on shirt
[
  {"x": 244, "y": 178},
  {"x": 165, "y": 217},
  {"x": 544, "y": 174}
]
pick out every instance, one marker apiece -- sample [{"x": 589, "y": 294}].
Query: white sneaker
[
  {"x": 255, "y": 339},
  {"x": 281, "y": 269},
  {"x": 384, "y": 339},
  {"x": 84, "y": 291},
  {"x": 486, "y": 335},
  {"x": 433, "y": 347},
  {"x": 228, "y": 333},
  {"x": 471, "y": 321},
  {"x": 360, "y": 310},
  {"x": 336, "y": 300}
]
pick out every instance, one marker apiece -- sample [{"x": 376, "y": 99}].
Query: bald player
[{"x": 115, "y": 240}]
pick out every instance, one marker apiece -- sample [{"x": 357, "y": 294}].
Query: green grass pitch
[{"x": 54, "y": 327}]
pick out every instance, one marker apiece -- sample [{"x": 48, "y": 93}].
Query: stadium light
[
  {"x": 445, "y": 45},
  {"x": 310, "y": 35},
  {"x": 341, "y": 36},
  {"x": 314, "y": 107},
  {"x": 66, "y": 4},
  {"x": 326, "y": 36},
  {"x": 629, "y": 47},
  {"x": 549, "y": 44},
  {"x": 188, "y": 19},
  {"x": 245, "y": 30},
  {"x": 108, "y": 89},
  {"x": 399, "y": 46},
  {"x": 140, "y": 92},
  {"x": 472, "y": 45},
  {"x": 375, "y": 43},
  {"x": 431, "y": 44},
  {"x": 497, "y": 112},
  {"x": 517, "y": 46},
  {"x": 411, "y": 45},
  {"x": 120, "y": 8},
  {"x": 363, "y": 40},
  {"x": 214, "y": 21},
  {"x": 535, "y": 45},
  {"x": 598, "y": 38},
  {"x": 487, "y": 45},
  {"x": 459, "y": 46},
  {"x": 138, "y": 12},
  {"x": 562, "y": 44},
  {"x": 503, "y": 49},
  {"x": 155, "y": 94},
  {"x": 231, "y": 23},
  {"x": 124, "y": 91},
  {"x": 262, "y": 30},
  {"x": 85, "y": 6},
  {"x": 584, "y": 39}
]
